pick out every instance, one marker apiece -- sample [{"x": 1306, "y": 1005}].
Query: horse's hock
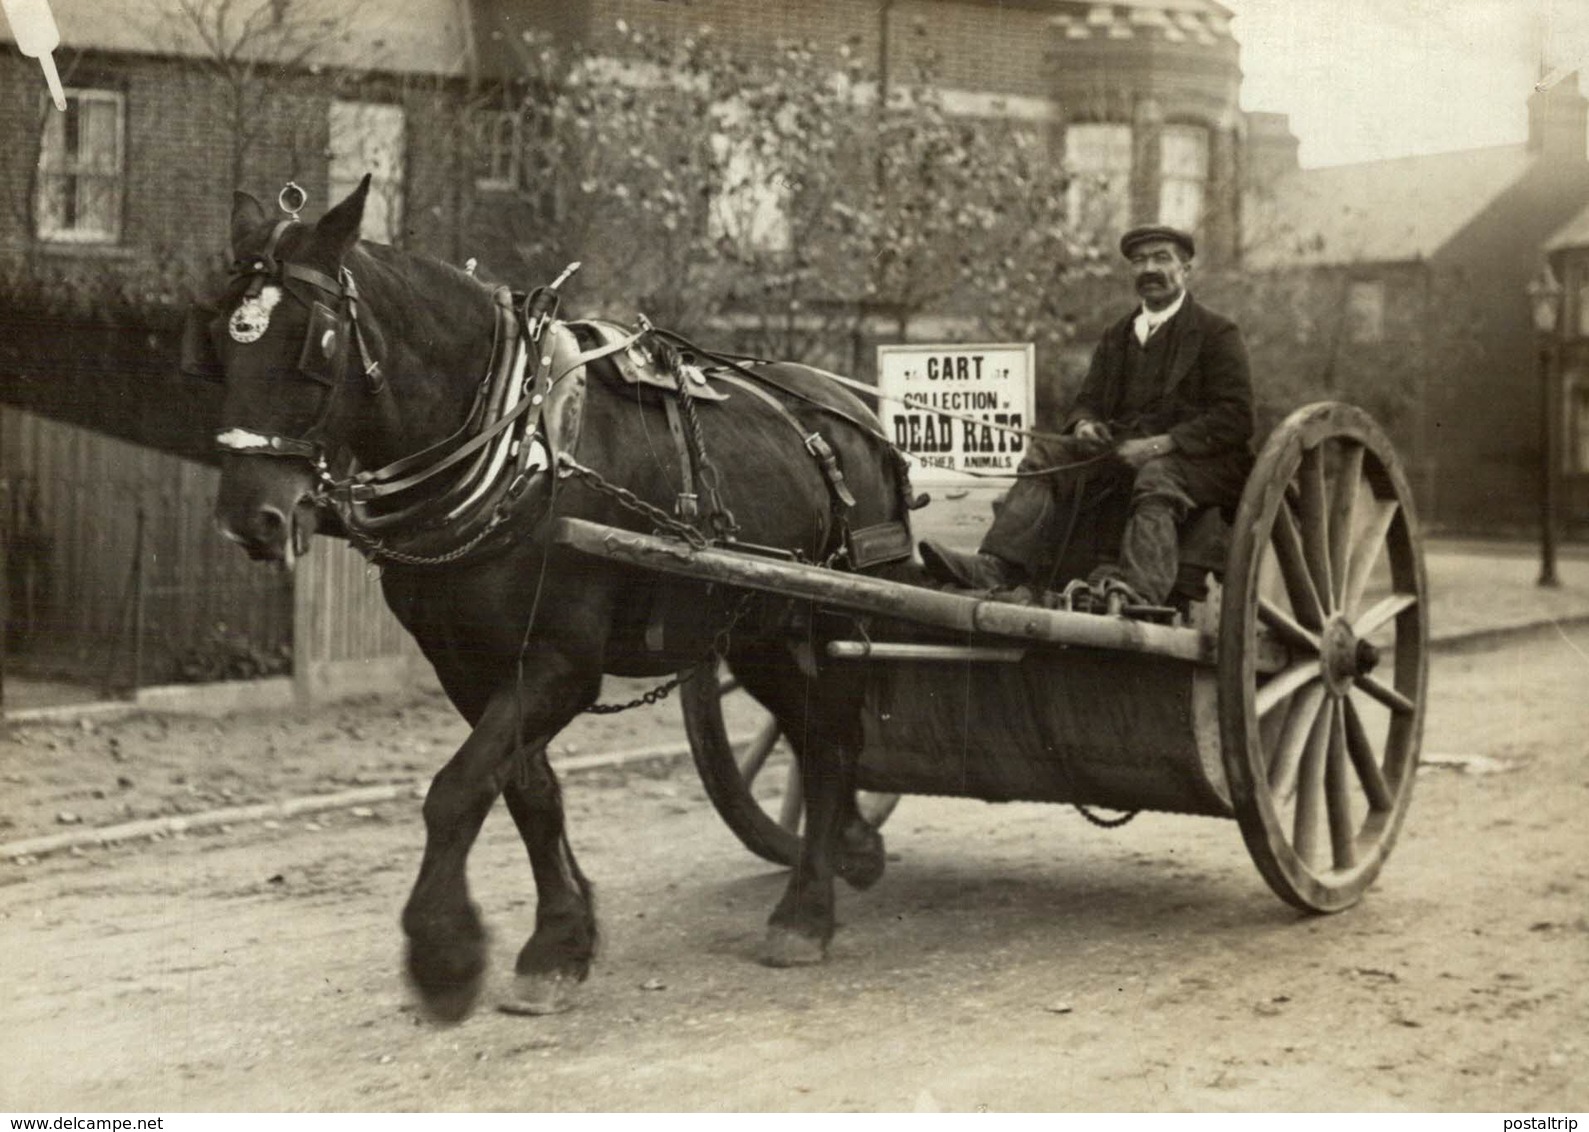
[{"x": 1294, "y": 703}]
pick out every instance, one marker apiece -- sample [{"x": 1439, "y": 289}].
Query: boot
[{"x": 973, "y": 571}]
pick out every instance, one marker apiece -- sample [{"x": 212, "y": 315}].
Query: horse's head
[{"x": 286, "y": 342}]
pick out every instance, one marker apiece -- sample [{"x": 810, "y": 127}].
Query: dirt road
[{"x": 1013, "y": 958}]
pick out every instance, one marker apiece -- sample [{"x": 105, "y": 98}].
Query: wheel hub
[{"x": 1343, "y": 656}]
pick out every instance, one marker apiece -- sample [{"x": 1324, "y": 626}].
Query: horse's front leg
[
  {"x": 446, "y": 938},
  {"x": 557, "y": 957}
]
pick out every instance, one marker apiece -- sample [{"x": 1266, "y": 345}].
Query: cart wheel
[
  {"x": 1326, "y": 561},
  {"x": 756, "y": 792}
]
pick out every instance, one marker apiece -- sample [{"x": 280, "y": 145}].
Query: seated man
[{"x": 1165, "y": 412}]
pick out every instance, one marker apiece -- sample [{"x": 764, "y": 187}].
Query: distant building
[{"x": 1428, "y": 258}]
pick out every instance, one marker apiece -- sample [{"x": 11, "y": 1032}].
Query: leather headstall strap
[{"x": 265, "y": 268}]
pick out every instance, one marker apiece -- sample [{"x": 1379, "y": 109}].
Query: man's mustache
[{"x": 1151, "y": 277}]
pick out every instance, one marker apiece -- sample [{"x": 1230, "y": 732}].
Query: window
[
  {"x": 367, "y": 137},
  {"x": 751, "y": 205},
  {"x": 1575, "y": 423},
  {"x": 499, "y": 149},
  {"x": 1183, "y": 173},
  {"x": 1365, "y": 311},
  {"x": 81, "y": 176},
  {"x": 1098, "y": 159}
]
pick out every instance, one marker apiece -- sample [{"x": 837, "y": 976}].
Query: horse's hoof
[
  {"x": 785, "y": 948},
  {"x": 448, "y": 1006},
  {"x": 540, "y": 994},
  {"x": 861, "y": 858},
  {"x": 448, "y": 983}
]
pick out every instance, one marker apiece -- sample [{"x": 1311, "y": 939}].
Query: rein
[{"x": 736, "y": 363}]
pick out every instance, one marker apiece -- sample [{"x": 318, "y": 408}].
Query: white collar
[{"x": 1146, "y": 321}]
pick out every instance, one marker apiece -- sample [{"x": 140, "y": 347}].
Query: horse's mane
[{"x": 433, "y": 296}]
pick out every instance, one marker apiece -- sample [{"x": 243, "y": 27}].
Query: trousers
[{"x": 1037, "y": 512}]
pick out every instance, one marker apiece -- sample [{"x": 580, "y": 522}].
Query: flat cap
[{"x": 1146, "y": 232}]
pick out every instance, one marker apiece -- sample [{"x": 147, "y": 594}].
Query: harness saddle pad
[{"x": 639, "y": 365}]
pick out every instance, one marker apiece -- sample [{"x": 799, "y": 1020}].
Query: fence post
[
  {"x": 303, "y": 617},
  {"x": 138, "y": 588}
]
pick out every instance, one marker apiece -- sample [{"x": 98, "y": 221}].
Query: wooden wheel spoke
[
  {"x": 1313, "y": 505},
  {"x": 1323, "y": 619},
  {"x": 1343, "y": 517},
  {"x": 1387, "y": 695},
  {"x": 793, "y": 800},
  {"x": 1286, "y": 628},
  {"x": 758, "y": 750},
  {"x": 1366, "y": 552},
  {"x": 1294, "y": 571},
  {"x": 1272, "y": 694},
  {"x": 1300, "y": 721},
  {"x": 1337, "y": 798},
  {"x": 1382, "y": 612},
  {"x": 1310, "y": 791},
  {"x": 1361, "y": 749}
]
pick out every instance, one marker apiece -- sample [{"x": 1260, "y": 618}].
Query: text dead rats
[{"x": 924, "y": 432}]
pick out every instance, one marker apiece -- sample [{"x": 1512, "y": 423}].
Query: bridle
[{"x": 333, "y": 306}]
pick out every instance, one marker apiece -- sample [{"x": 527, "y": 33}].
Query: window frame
[
  {"x": 1365, "y": 323},
  {"x": 391, "y": 206},
  {"x": 76, "y": 235},
  {"x": 1118, "y": 196},
  {"x": 1200, "y": 178},
  {"x": 489, "y": 123}
]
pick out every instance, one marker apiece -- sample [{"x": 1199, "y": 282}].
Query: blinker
[
  {"x": 199, "y": 357},
  {"x": 322, "y": 345}
]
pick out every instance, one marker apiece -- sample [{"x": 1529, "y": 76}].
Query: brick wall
[{"x": 981, "y": 47}]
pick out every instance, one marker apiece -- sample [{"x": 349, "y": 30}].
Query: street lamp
[{"x": 1544, "y": 296}]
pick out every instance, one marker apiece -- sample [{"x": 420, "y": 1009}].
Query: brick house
[{"x": 1420, "y": 265}]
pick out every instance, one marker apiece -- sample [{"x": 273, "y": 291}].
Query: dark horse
[{"x": 339, "y": 354}]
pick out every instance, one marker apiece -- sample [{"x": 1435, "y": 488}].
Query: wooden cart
[{"x": 1292, "y": 700}]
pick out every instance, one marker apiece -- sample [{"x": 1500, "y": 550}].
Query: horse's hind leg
[
  {"x": 815, "y": 716},
  {"x": 557, "y": 956}
]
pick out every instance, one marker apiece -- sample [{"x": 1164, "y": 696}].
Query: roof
[
  {"x": 1573, "y": 234},
  {"x": 1176, "y": 21},
  {"x": 396, "y": 36},
  {"x": 1394, "y": 211}
]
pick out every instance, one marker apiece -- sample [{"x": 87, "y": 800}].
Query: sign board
[{"x": 941, "y": 403}]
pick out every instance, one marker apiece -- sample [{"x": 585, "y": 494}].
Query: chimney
[
  {"x": 1271, "y": 149},
  {"x": 1558, "y": 121}
]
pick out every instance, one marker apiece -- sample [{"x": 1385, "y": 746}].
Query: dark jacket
[{"x": 1206, "y": 405}]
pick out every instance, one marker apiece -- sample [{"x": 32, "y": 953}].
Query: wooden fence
[
  {"x": 115, "y": 572},
  {"x": 345, "y": 641},
  {"x": 115, "y": 577}
]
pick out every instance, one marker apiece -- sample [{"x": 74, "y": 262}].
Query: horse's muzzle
[{"x": 271, "y": 517}]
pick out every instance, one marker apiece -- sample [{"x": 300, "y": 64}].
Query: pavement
[{"x": 1478, "y": 591}]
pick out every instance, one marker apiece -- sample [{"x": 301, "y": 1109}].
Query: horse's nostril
[{"x": 270, "y": 524}]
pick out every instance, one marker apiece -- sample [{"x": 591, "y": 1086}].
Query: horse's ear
[
  {"x": 247, "y": 215},
  {"x": 340, "y": 227}
]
